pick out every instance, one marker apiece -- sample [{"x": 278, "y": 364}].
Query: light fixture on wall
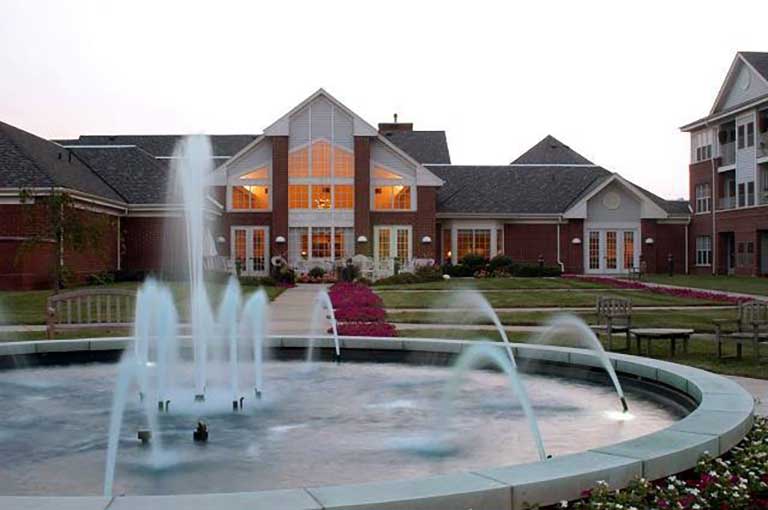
[
  {"x": 426, "y": 239},
  {"x": 362, "y": 239},
  {"x": 279, "y": 239},
  {"x": 649, "y": 240},
  {"x": 575, "y": 240},
  {"x": 221, "y": 239}
]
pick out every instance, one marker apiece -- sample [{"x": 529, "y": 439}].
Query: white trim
[
  {"x": 648, "y": 208},
  {"x": 727, "y": 85},
  {"x": 392, "y": 241},
  {"x": 249, "y": 229},
  {"x": 565, "y": 165},
  {"x": 756, "y": 103},
  {"x": 98, "y": 146}
]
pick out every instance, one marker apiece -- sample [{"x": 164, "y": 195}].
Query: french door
[
  {"x": 391, "y": 242},
  {"x": 250, "y": 250},
  {"x": 612, "y": 251}
]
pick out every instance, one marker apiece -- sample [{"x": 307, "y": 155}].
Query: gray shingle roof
[
  {"x": 426, "y": 147},
  {"x": 758, "y": 60},
  {"x": 551, "y": 151},
  {"x": 132, "y": 172},
  {"x": 163, "y": 145},
  {"x": 29, "y": 161}
]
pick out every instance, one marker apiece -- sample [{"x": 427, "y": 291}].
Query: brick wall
[
  {"x": 524, "y": 242},
  {"x": 279, "y": 218},
  {"x": 701, "y": 224},
  {"x": 746, "y": 225},
  {"x": 362, "y": 194},
  {"x": 572, "y": 255}
]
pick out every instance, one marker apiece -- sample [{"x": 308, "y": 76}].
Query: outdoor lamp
[
  {"x": 649, "y": 240},
  {"x": 279, "y": 239},
  {"x": 426, "y": 239},
  {"x": 575, "y": 240},
  {"x": 362, "y": 239},
  {"x": 221, "y": 239}
]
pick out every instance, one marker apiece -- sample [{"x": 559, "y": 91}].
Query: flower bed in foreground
[
  {"x": 359, "y": 311},
  {"x": 737, "y": 481}
]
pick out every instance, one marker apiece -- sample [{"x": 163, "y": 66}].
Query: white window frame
[
  {"x": 704, "y": 251},
  {"x": 703, "y": 198},
  {"x": 404, "y": 181},
  {"x": 701, "y": 145},
  {"x": 249, "y": 229},
  {"x": 393, "y": 241},
  {"x": 234, "y": 181}
]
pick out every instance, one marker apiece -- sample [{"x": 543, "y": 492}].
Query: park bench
[
  {"x": 751, "y": 327},
  {"x": 614, "y": 315},
  {"x": 90, "y": 308}
]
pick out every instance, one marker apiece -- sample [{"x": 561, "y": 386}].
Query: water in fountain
[
  {"x": 322, "y": 309},
  {"x": 584, "y": 334},
  {"x": 255, "y": 326},
  {"x": 228, "y": 321}
]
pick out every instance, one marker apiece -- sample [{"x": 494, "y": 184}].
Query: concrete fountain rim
[{"x": 723, "y": 416}]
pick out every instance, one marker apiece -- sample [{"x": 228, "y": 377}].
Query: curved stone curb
[{"x": 721, "y": 419}]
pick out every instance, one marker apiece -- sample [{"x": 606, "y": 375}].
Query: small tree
[{"x": 65, "y": 225}]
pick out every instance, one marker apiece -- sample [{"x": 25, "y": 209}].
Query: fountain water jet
[
  {"x": 228, "y": 318},
  {"x": 323, "y": 304},
  {"x": 255, "y": 322}
]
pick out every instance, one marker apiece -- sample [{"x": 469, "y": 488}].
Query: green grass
[
  {"x": 498, "y": 284},
  {"x": 541, "y": 299},
  {"x": 701, "y": 354},
  {"x": 28, "y": 307},
  {"x": 65, "y": 334},
  {"x": 744, "y": 284},
  {"x": 698, "y": 320}
]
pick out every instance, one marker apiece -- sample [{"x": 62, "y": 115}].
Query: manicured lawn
[
  {"x": 745, "y": 284},
  {"x": 541, "y": 299},
  {"x": 702, "y": 353},
  {"x": 698, "y": 320},
  {"x": 64, "y": 335},
  {"x": 499, "y": 283},
  {"x": 28, "y": 307}
]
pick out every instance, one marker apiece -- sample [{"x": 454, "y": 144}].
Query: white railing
[{"x": 727, "y": 154}]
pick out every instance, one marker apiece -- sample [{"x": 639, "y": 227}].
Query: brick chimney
[{"x": 391, "y": 127}]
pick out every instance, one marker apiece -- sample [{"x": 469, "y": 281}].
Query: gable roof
[
  {"x": 162, "y": 146},
  {"x": 551, "y": 151},
  {"x": 426, "y": 147},
  {"x": 28, "y": 161},
  {"x": 758, "y": 60},
  {"x": 137, "y": 176}
]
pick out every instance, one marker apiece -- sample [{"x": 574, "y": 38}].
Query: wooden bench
[
  {"x": 671, "y": 334},
  {"x": 90, "y": 308},
  {"x": 614, "y": 315},
  {"x": 751, "y": 327}
]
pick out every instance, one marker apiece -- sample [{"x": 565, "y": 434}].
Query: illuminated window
[
  {"x": 321, "y": 196},
  {"x": 344, "y": 196},
  {"x": 594, "y": 250},
  {"x": 610, "y": 249},
  {"x": 321, "y": 242},
  {"x": 383, "y": 173},
  {"x": 250, "y": 197},
  {"x": 403, "y": 244},
  {"x": 259, "y": 260},
  {"x": 298, "y": 244},
  {"x": 298, "y": 163},
  {"x": 343, "y": 243},
  {"x": 473, "y": 241},
  {"x": 447, "y": 245},
  {"x": 298, "y": 196},
  {"x": 258, "y": 174},
  {"x": 321, "y": 159},
  {"x": 392, "y": 197},
  {"x": 343, "y": 163},
  {"x": 240, "y": 247},
  {"x": 384, "y": 243},
  {"x": 629, "y": 250}
]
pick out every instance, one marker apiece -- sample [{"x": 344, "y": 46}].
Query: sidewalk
[{"x": 291, "y": 312}]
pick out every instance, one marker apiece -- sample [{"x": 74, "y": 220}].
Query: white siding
[
  {"x": 629, "y": 209},
  {"x": 321, "y": 110},
  {"x": 343, "y": 126},
  {"x": 299, "y": 129},
  {"x": 737, "y": 94},
  {"x": 260, "y": 155},
  {"x": 745, "y": 157},
  {"x": 382, "y": 154}
]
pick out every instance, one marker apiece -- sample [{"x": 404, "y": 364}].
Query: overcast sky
[{"x": 611, "y": 80}]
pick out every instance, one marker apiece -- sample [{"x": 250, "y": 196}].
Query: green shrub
[
  {"x": 317, "y": 272},
  {"x": 255, "y": 281},
  {"x": 398, "y": 279},
  {"x": 500, "y": 263},
  {"x": 533, "y": 271},
  {"x": 474, "y": 262},
  {"x": 458, "y": 270},
  {"x": 429, "y": 273},
  {"x": 422, "y": 274}
]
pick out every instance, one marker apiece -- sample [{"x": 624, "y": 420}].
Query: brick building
[
  {"x": 728, "y": 174},
  {"x": 321, "y": 184}
]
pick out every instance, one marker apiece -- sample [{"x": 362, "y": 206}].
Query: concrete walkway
[
  {"x": 291, "y": 312},
  {"x": 711, "y": 291}
]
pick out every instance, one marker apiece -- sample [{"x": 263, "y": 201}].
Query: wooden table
[{"x": 671, "y": 334}]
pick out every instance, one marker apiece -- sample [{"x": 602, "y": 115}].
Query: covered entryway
[
  {"x": 611, "y": 250},
  {"x": 250, "y": 250}
]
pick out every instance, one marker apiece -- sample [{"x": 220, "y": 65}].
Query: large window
[
  {"x": 447, "y": 245},
  {"x": 249, "y": 191},
  {"x": 298, "y": 196},
  {"x": 704, "y": 251},
  {"x": 475, "y": 241},
  {"x": 321, "y": 196},
  {"x": 629, "y": 249},
  {"x": 594, "y": 249},
  {"x": 321, "y": 162},
  {"x": 344, "y": 196},
  {"x": 392, "y": 198},
  {"x": 701, "y": 146},
  {"x": 306, "y": 243},
  {"x": 703, "y": 198}
]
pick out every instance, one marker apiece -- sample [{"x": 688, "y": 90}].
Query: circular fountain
[{"x": 237, "y": 419}]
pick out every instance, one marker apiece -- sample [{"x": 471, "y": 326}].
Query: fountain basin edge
[{"x": 722, "y": 414}]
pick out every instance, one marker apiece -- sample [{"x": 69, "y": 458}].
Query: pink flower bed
[
  {"x": 681, "y": 293},
  {"x": 359, "y": 311}
]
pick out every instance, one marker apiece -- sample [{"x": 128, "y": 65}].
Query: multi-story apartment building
[{"x": 728, "y": 174}]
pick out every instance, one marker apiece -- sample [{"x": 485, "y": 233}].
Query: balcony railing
[
  {"x": 728, "y": 154},
  {"x": 762, "y": 145},
  {"x": 727, "y": 203}
]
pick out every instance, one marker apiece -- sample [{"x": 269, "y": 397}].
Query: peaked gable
[{"x": 747, "y": 79}]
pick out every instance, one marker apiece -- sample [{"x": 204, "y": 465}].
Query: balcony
[
  {"x": 726, "y": 203},
  {"x": 728, "y": 154},
  {"x": 762, "y": 145}
]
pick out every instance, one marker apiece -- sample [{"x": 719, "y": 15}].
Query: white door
[
  {"x": 250, "y": 250},
  {"x": 390, "y": 242},
  {"x": 611, "y": 251}
]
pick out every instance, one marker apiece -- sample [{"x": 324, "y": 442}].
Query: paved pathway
[
  {"x": 291, "y": 312},
  {"x": 759, "y": 389},
  {"x": 21, "y": 328},
  {"x": 487, "y": 291}
]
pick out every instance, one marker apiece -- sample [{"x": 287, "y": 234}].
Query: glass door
[
  {"x": 393, "y": 242},
  {"x": 250, "y": 250},
  {"x": 611, "y": 251}
]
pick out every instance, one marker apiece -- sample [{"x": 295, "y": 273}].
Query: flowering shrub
[
  {"x": 670, "y": 291},
  {"x": 383, "y": 329},
  {"x": 738, "y": 481},
  {"x": 359, "y": 311},
  {"x": 325, "y": 278},
  {"x": 355, "y": 313}
]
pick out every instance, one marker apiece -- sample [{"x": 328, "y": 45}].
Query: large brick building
[
  {"x": 729, "y": 174},
  {"x": 320, "y": 185}
]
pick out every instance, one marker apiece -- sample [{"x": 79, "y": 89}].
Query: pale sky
[{"x": 614, "y": 80}]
